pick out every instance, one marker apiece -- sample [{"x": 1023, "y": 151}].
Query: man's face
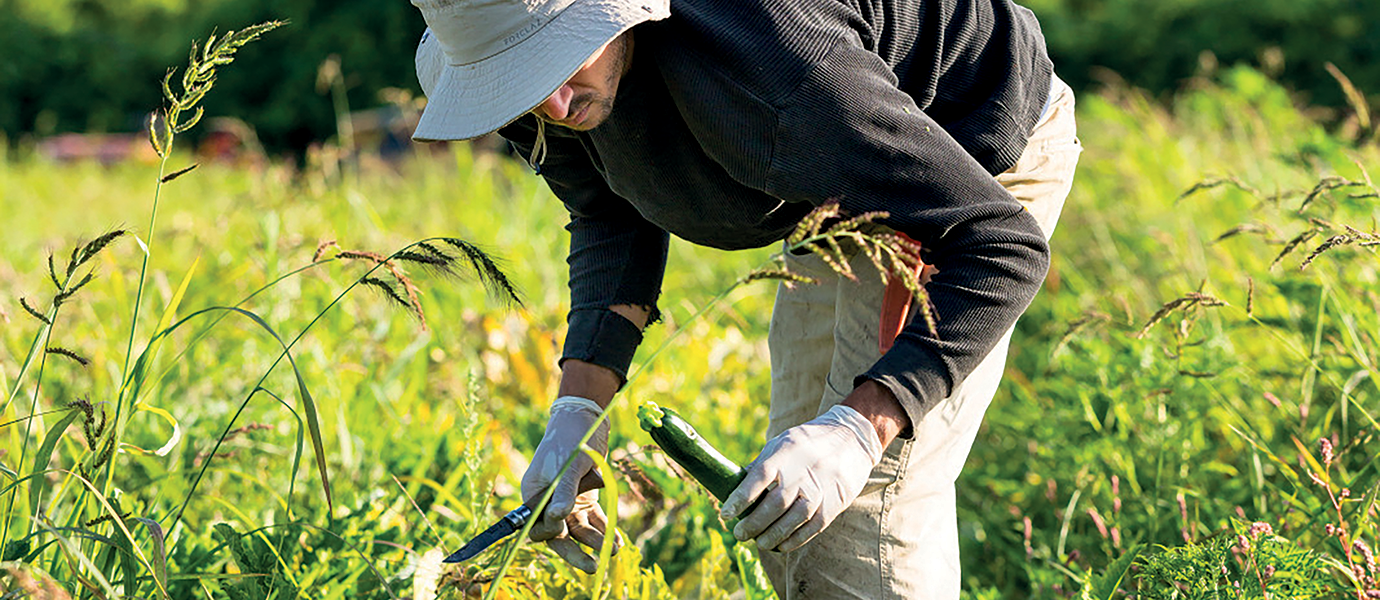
[{"x": 586, "y": 99}]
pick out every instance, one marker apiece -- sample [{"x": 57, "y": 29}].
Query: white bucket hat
[{"x": 484, "y": 63}]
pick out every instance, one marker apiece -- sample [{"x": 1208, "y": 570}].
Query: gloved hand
[
  {"x": 573, "y": 514},
  {"x": 809, "y": 475}
]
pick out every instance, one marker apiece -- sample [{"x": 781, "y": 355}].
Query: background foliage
[
  {"x": 1123, "y": 432},
  {"x": 92, "y": 65},
  {"x": 1100, "y": 440}
]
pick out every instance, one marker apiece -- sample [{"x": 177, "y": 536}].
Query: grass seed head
[
  {"x": 486, "y": 267},
  {"x": 66, "y": 353},
  {"x": 92, "y": 248},
  {"x": 62, "y": 297},
  {"x": 197, "y": 79},
  {"x": 322, "y": 248},
  {"x": 1208, "y": 184},
  {"x": 387, "y": 290},
  {"x": 1292, "y": 244},
  {"x": 787, "y": 277},
  {"x": 1331, "y": 243},
  {"x": 1184, "y": 303},
  {"x": 52, "y": 272},
  {"x": 33, "y": 312}
]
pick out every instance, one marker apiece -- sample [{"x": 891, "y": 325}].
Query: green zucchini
[{"x": 684, "y": 445}]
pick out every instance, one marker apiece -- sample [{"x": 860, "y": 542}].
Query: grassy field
[{"x": 1117, "y": 426}]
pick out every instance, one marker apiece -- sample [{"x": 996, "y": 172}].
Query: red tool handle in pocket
[{"x": 896, "y": 301}]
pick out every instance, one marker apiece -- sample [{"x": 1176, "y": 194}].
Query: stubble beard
[{"x": 599, "y": 103}]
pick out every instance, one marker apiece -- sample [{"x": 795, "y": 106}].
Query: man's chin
[{"x": 587, "y": 117}]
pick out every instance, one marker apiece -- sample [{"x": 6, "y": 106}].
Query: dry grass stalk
[
  {"x": 201, "y": 456},
  {"x": 1354, "y": 97},
  {"x": 1076, "y": 326},
  {"x": 23, "y": 584},
  {"x": 1328, "y": 184},
  {"x": 1208, "y": 184},
  {"x": 1250, "y": 296},
  {"x": 413, "y": 302},
  {"x": 1289, "y": 247},
  {"x": 1256, "y": 228},
  {"x": 1353, "y": 236},
  {"x": 643, "y": 490},
  {"x": 825, "y": 231},
  {"x": 322, "y": 248},
  {"x": 1182, "y": 303}
]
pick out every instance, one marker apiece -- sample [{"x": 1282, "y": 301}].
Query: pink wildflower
[
  {"x": 1097, "y": 520},
  {"x": 1273, "y": 399}
]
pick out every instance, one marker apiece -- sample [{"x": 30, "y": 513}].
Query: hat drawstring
[{"x": 538, "y": 148}]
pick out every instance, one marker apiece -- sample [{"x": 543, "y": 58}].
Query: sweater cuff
[{"x": 602, "y": 337}]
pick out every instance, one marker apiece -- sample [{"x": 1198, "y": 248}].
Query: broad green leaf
[
  {"x": 1104, "y": 587},
  {"x": 755, "y": 584},
  {"x": 160, "y": 560},
  {"x": 45, "y": 454}
]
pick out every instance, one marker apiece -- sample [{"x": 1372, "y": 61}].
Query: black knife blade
[{"x": 505, "y": 527}]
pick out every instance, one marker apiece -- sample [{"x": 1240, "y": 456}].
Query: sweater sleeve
[
  {"x": 848, "y": 133},
  {"x": 616, "y": 256}
]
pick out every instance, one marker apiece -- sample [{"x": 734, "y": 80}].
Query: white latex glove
[
  {"x": 585, "y": 525},
  {"x": 809, "y": 475},
  {"x": 570, "y": 516}
]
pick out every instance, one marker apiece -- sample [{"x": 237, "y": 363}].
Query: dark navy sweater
[{"x": 737, "y": 117}]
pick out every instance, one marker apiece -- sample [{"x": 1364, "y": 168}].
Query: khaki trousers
[{"x": 899, "y": 539}]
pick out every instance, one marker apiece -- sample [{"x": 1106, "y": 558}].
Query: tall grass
[
  {"x": 1163, "y": 430},
  {"x": 1099, "y": 440},
  {"x": 88, "y": 498}
]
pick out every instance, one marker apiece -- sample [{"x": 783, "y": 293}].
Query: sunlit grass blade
[
  {"x": 100, "y": 584},
  {"x": 609, "y": 498},
  {"x": 115, "y": 517},
  {"x": 45, "y": 455},
  {"x": 309, "y": 405},
  {"x": 174, "y": 438}
]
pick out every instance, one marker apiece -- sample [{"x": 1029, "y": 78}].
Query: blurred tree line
[
  {"x": 1157, "y": 44},
  {"x": 94, "y": 65}
]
